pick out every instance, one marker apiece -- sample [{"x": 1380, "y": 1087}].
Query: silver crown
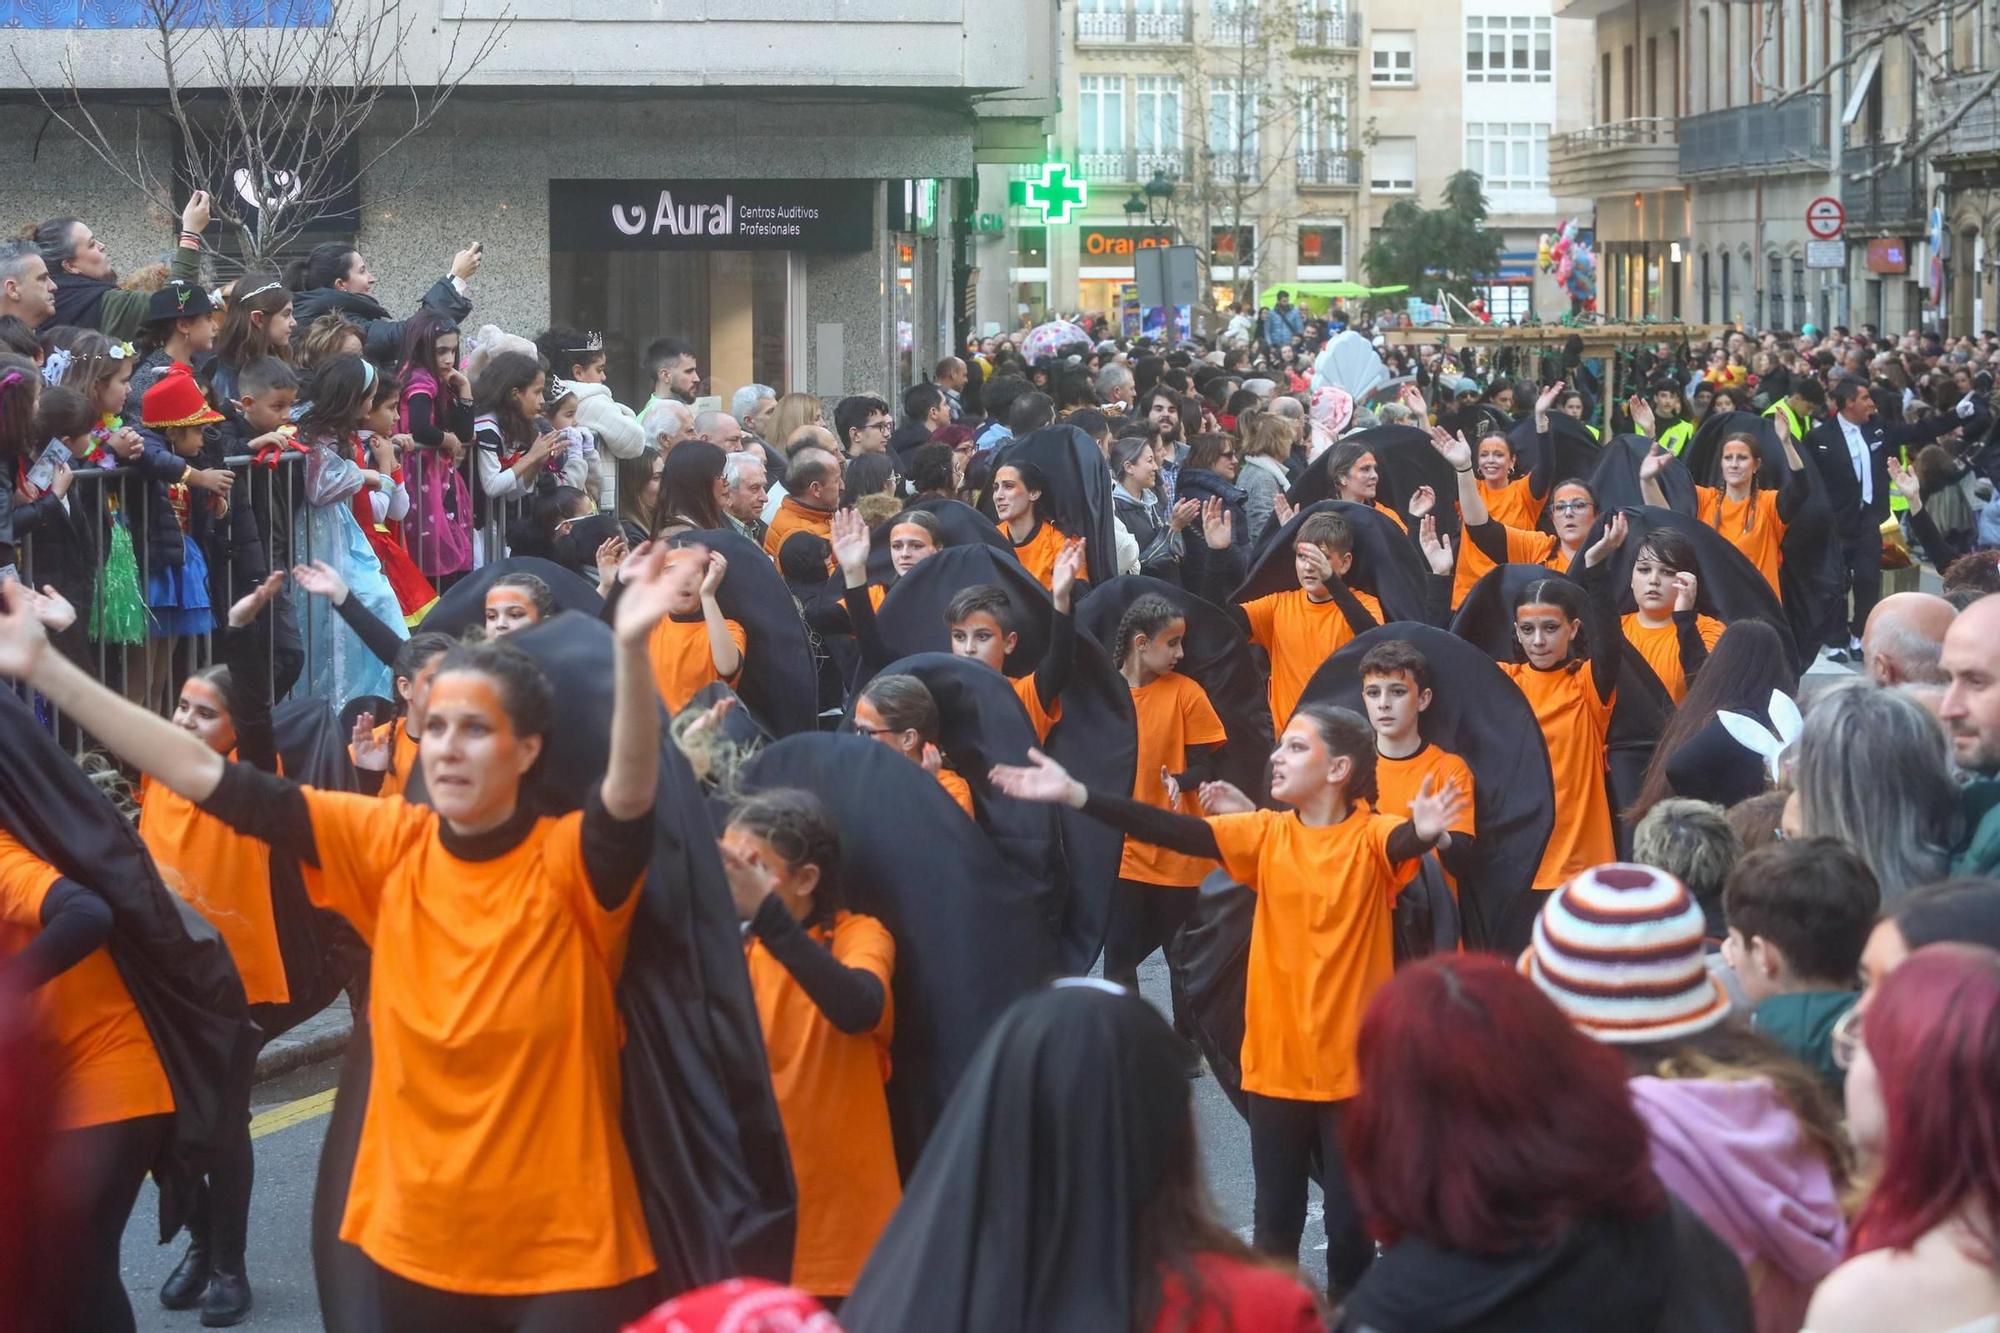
[{"x": 593, "y": 341}]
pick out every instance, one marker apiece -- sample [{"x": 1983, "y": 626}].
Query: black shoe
[
  {"x": 227, "y": 1300},
  {"x": 1840, "y": 655},
  {"x": 183, "y": 1288}
]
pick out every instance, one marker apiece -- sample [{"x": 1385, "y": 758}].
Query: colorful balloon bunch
[{"x": 1573, "y": 262}]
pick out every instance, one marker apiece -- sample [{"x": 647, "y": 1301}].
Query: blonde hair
[
  {"x": 793, "y": 411},
  {"x": 1270, "y": 436}
]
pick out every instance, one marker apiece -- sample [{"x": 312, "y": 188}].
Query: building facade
[{"x": 571, "y": 150}]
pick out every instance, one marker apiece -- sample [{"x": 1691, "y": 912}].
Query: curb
[{"x": 297, "y": 1049}]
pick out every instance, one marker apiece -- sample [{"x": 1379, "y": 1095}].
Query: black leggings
[
  {"x": 412, "y": 1307},
  {"x": 221, "y": 1213},
  {"x": 112, "y": 1159},
  {"x": 1143, "y": 918},
  {"x": 1283, "y": 1134}
]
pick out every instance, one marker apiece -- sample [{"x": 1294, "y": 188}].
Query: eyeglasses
[
  {"x": 1844, "y": 1042},
  {"x": 877, "y": 425},
  {"x": 1572, "y": 506},
  {"x": 870, "y": 732}
]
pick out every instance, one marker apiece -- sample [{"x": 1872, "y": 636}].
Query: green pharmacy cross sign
[{"x": 1055, "y": 194}]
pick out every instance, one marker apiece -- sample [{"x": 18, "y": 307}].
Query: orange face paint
[
  {"x": 472, "y": 757},
  {"x": 509, "y": 608}
]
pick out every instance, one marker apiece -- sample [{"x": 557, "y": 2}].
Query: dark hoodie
[
  {"x": 381, "y": 336},
  {"x": 908, "y": 438}
]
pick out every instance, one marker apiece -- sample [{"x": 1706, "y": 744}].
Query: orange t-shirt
[
  {"x": 105, "y": 1059},
  {"x": 1392, "y": 516},
  {"x": 1320, "y": 943},
  {"x": 1038, "y": 554},
  {"x": 1299, "y": 634},
  {"x": 1525, "y": 546},
  {"x": 1763, "y": 543},
  {"x": 1661, "y": 648},
  {"x": 682, "y": 662},
  {"x": 402, "y": 757},
  {"x": 957, "y": 788},
  {"x": 794, "y": 517},
  {"x": 1173, "y": 712},
  {"x": 1040, "y": 718},
  {"x": 491, "y": 1161},
  {"x": 828, "y": 1084},
  {"x": 1397, "y": 782},
  {"x": 222, "y": 875},
  {"x": 1574, "y": 723},
  {"x": 1512, "y": 503}
]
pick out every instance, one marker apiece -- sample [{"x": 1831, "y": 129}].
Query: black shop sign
[{"x": 830, "y": 215}]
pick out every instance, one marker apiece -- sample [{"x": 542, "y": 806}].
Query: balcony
[
  {"x": 1329, "y": 32},
  {"x": 1891, "y": 201},
  {"x": 1974, "y": 142},
  {"x": 1619, "y": 157},
  {"x": 1773, "y": 138},
  {"x": 1328, "y": 169},
  {"x": 1233, "y": 165},
  {"x": 1156, "y": 25},
  {"x": 1129, "y": 165},
  {"x": 1234, "y": 27}
]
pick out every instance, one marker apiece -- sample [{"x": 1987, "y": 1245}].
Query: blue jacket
[{"x": 1282, "y": 323}]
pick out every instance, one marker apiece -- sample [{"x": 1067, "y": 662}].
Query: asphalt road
[{"x": 294, "y": 1121}]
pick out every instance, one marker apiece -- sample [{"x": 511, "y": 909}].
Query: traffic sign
[
  {"x": 1825, "y": 217},
  {"x": 1826, "y": 254}
]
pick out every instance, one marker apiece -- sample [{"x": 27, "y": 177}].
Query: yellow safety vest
[
  {"x": 1675, "y": 437},
  {"x": 1791, "y": 419}
]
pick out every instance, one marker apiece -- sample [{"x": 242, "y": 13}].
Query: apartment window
[
  {"x": 1776, "y": 294},
  {"x": 1100, "y": 114},
  {"x": 1322, "y": 246},
  {"x": 1674, "y": 72},
  {"x": 1322, "y": 117},
  {"x": 1798, "y": 292},
  {"x": 1516, "y": 48},
  {"x": 1392, "y": 166},
  {"x": 1604, "y": 87},
  {"x": 1232, "y": 247},
  {"x": 1652, "y": 76},
  {"x": 1510, "y": 156},
  {"x": 1232, "y": 124},
  {"x": 1158, "y": 104},
  {"x": 1631, "y": 83},
  {"x": 1392, "y": 59}
]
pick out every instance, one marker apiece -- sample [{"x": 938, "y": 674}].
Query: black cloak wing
[
  {"x": 1218, "y": 659},
  {"x": 1639, "y": 711},
  {"x": 970, "y": 937},
  {"x": 1616, "y": 480},
  {"x": 963, "y": 526},
  {"x": 1079, "y": 493},
  {"x": 1477, "y": 714},
  {"x": 1729, "y": 587},
  {"x": 780, "y": 683},
  {"x": 1406, "y": 459},
  {"x": 1385, "y": 563},
  {"x": 182, "y": 979},
  {"x": 1209, "y": 968},
  {"x": 463, "y": 605},
  {"x": 1703, "y": 454},
  {"x": 1576, "y": 449},
  {"x": 700, "y": 1119},
  {"x": 1096, "y": 739}
]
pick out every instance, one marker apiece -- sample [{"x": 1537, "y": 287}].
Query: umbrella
[
  {"x": 1045, "y": 339},
  {"x": 1349, "y": 361}
]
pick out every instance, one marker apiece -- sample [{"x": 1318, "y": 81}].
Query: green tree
[{"x": 1427, "y": 249}]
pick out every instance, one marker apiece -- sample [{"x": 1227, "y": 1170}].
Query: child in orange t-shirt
[
  {"x": 1326, "y": 873},
  {"x": 1395, "y": 691},
  {"x": 1669, "y": 633},
  {"x": 1302, "y": 627},
  {"x": 1179, "y": 733},
  {"x": 900, "y": 712},
  {"x": 694, "y": 644},
  {"x": 821, "y": 977}
]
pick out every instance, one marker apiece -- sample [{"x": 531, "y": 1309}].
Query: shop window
[{"x": 1322, "y": 246}]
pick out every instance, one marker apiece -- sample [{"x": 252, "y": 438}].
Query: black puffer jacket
[
  {"x": 382, "y": 337},
  {"x": 1202, "y": 484}
]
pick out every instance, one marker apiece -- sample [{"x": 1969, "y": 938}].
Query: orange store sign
[{"x": 1120, "y": 242}]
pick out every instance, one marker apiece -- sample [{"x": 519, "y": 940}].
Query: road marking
[{"x": 291, "y": 1113}]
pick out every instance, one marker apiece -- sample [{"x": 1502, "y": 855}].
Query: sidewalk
[{"x": 320, "y": 1037}]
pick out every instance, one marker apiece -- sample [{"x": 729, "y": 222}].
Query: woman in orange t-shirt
[
  {"x": 1752, "y": 518},
  {"x": 1511, "y": 501},
  {"x": 1326, "y": 873},
  {"x": 1179, "y": 734},
  {"x": 900, "y": 712},
  {"x": 821, "y": 977},
  {"x": 1352, "y": 472},
  {"x": 1017, "y": 500},
  {"x": 1668, "y": 631},
  {"x": 491, "y": 1185}
]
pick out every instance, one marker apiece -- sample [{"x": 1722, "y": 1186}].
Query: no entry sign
[{"x": 1825, "y": 217}]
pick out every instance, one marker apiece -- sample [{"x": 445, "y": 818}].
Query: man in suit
[{"x": 1851, "y": 450}]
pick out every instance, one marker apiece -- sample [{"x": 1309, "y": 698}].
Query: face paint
[
  {"x": 201, "y": 710},
  {"x": 473, "y": 760},
  {"x": 1545, "y": 633},
  {"x": 509, "y": 609}
]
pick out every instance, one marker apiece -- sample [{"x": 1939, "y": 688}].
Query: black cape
[
  {"x": 463, "y": 605},
  {"x": 1406, "y": 459},
  {"x": 1218, "y": 658},
  {"x": 1639, "y": 710},
  {"x": 1096, "y": 738},
  {"x": 1022, "y": 1214},
  {"x": 1576, "y": 450},
  {"x": 182, "y": 980},
  {"x": 1616, "y": 480},
  {"x": 1079, "y": 491},
  {"x": 780, "y": 682},
  {"x": 970, "y": 938},
  {"x": 963, "y": 526},
  {"x": 1209, "y": 968},
  {"x": 1385, "y": 563},
  {"x": 699, "y": 1117},
  {"x": 1729, "y": 587}
]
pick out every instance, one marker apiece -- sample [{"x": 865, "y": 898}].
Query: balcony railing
[
  {"x": 1617, "y": 157},
  {"x": 1892, "y": 199},
  {"x": 1775, "y": 137},
  {"x": 1233, "y": 165},
  {"x": 1325, "y": 32},
  {"x": 1644, "y": 131},
  {"x": 1137, "y": 166},
  {"x": 1328, "y": 167},
  {"x": 1235, "y": 27},
  {"x": 1977, "y": 132},
  {"x": 1155, "y": 26}
]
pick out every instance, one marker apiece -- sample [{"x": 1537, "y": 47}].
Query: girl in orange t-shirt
[
  {"x": 491, "y": 1186},
  {"x": 1017, "y": 500},
  {"x": 1179, "y": 734},
  {"x": 1668, "y": 631},
  {"x": 1752, "y": 518},
  {"x": 1326, "y": 873},
  {"x": 900, "y": 712},
  {"x": 821, "y": 977},
  {"x": 1511, "y": 501}
]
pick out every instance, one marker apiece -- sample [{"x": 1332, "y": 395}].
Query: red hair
[
  {"x": 1933, "y": 1031},
  {"x": 1486, "y": 1121}
]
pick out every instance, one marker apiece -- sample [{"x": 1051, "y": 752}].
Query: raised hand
[
  {"x": 750, "y": 880},
  {"x": 1224, "y": 798},
  {"x": 711, "y": 577},
  {"x": 1218, "y": 525},
  {"x": 1641, "y": 413},
  {"x": 1546, "y": 401},
  {"x": 850, "y": 546},
  {"x": 1042, "y": 779},
  {"x": 1282, "y": 508},
  {"x": 251, "y": 604},
  {"x": 1685, "y": 587},
  {"x": 647, "y": 595},
  {"x": 366, "y": 749},
  {"x": 195, "y": 214},
  {"x": 1904, "y": 478},
  {"x": 466, "y": 262},
  {"x": 1653, "y": 463},
  {"x": 1413, "y": 398},
  {"x": 1421, "y": 501},
  {"x": 1069, "y": 565},
  {"x": 321, "y": 580},
  {"x": 22, "y": 638},
  {"x": 1437, "y": 549},
  {"x": 52, "y": 609},
  {"x": 1433, "y": 811},
  {"x": 609, "y": 556},
  {"x": 1186, "y": 514},
  {"x": 1600, "y": 550},
  {"x": 1456, "y": 449}
]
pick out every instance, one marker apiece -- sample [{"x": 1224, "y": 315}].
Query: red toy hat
[
  {"x": 739, "y": 1305},
  {"x": 176, "y": 400}
]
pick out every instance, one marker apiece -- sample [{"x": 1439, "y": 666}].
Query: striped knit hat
[{"x": 1619, "y": 949}]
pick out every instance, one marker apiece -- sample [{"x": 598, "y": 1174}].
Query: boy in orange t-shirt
[
  {"x": 694, "y": 644},
  {"x": 1395, "y": 691}
]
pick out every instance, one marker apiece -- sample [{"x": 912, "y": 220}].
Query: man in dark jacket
[
  {"x": 925, "y": 410},
  {"x": 1851, "y": 451}
]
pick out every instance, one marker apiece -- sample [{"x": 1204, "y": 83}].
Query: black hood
[
  {"x": 1079, "y": 490},
  {"x": 1406, "y": 459}
]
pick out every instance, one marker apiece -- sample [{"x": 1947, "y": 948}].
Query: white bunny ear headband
[{"x": 1753, "y": 736}]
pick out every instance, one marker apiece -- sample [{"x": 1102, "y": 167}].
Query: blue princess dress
[{"x": 338, "y": 665}]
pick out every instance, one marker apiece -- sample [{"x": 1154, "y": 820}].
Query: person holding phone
[{"x": 333, "y": 278}]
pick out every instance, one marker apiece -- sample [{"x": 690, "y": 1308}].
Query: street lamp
[
  {"x": 1135, "y": 207},
  {"x": 1159, "y": 196}
]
